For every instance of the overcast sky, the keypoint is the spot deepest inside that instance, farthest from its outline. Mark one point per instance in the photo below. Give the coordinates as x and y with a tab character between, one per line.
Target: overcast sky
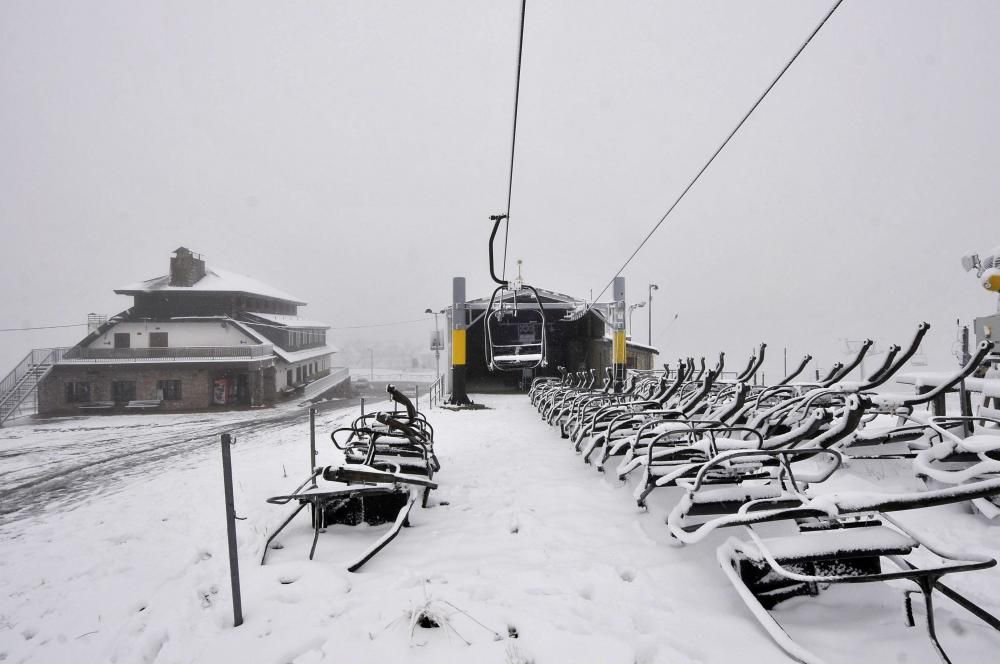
351	153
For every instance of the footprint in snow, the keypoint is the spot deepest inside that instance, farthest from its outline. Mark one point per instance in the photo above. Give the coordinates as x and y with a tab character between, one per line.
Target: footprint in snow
627	575
208	596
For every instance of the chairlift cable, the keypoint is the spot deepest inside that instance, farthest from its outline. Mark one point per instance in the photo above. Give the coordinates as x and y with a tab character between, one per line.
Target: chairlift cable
42	327
721	147
513	138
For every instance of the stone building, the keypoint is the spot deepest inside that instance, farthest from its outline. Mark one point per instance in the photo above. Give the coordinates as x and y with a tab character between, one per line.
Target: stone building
199	337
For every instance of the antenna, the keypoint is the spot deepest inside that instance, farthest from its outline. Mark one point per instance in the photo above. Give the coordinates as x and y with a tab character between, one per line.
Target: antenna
519	281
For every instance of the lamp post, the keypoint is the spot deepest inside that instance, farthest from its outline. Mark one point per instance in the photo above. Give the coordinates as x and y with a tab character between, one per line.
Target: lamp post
631	309
652	287
436	346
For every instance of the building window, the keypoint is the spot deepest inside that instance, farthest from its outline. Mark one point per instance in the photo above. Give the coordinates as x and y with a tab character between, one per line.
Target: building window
288	378
122	390
123	340
170	390
157	339
77	392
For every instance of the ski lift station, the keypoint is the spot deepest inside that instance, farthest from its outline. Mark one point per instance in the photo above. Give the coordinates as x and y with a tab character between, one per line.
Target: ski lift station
577	338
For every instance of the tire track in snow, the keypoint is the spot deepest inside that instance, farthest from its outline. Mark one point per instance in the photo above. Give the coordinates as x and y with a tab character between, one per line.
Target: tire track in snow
85	467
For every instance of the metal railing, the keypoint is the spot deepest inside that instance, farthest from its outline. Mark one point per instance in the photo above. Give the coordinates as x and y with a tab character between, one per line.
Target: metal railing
38	356
435	393
23	381
257	351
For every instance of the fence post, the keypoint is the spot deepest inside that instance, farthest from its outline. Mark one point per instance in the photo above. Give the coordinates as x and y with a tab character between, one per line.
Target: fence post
234	564
362	406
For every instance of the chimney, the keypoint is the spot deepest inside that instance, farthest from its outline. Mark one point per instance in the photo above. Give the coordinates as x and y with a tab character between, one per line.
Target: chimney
186	268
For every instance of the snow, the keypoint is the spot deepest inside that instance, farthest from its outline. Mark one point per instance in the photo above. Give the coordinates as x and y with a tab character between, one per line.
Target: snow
216	280
526	357
827	542
291	357
115	551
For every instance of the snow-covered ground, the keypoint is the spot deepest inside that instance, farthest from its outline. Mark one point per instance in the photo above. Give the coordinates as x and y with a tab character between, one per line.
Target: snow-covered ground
528	555
405	377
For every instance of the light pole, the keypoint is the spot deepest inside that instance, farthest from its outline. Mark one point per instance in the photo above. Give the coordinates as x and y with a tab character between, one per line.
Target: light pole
436	346
652	287
631	309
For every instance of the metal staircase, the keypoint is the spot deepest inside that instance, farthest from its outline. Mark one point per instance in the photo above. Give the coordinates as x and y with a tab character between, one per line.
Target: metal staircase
18	389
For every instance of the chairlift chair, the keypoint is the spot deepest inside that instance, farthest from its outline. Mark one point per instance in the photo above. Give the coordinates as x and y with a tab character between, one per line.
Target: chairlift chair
514	331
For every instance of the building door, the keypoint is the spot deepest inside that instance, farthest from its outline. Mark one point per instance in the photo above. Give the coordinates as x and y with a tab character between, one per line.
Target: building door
243	388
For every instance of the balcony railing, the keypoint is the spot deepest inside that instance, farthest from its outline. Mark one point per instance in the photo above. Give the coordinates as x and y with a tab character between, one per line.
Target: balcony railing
178	353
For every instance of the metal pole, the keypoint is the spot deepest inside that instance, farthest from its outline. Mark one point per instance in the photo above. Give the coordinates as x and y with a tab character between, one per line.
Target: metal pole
618	347
234	564
416	398
312	443
459	397
652	287
965	403
437	348
362	405
786	360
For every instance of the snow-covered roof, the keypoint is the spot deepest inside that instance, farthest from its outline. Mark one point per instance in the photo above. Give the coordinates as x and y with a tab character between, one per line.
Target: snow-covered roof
292	357
633	345
287	321
550	299
216	280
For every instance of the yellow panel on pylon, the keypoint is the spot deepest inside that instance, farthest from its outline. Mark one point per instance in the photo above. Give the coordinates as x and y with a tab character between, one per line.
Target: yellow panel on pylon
458	348
619	346
992	283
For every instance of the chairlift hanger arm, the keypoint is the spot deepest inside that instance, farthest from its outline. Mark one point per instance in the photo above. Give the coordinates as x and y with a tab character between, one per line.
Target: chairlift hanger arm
496	219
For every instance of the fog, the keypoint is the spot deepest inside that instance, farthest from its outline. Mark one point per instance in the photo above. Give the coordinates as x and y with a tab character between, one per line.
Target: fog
350	153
